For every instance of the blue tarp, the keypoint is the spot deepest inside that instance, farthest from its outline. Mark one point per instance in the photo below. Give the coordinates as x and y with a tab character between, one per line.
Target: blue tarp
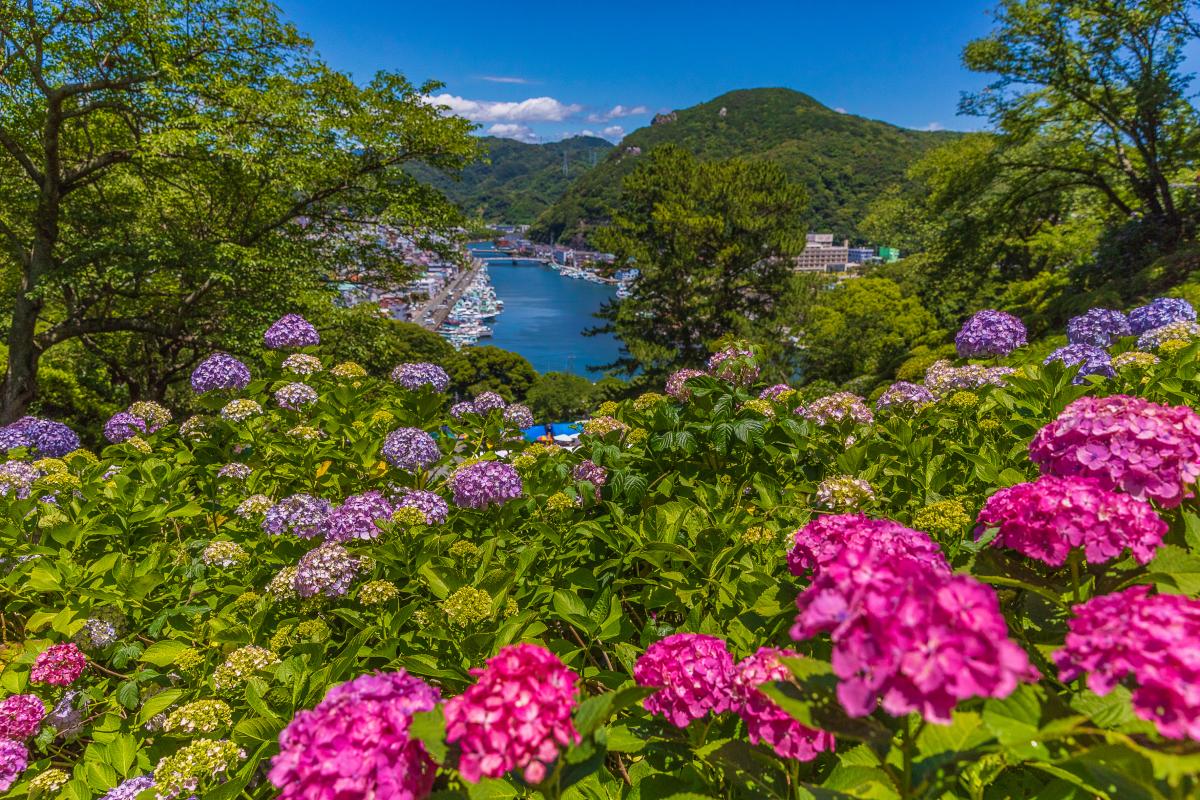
553	429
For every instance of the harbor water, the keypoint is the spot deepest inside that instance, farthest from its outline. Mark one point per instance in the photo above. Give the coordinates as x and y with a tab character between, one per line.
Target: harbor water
545	315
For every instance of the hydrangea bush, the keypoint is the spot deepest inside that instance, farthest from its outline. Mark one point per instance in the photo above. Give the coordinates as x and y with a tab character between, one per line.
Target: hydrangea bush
982	585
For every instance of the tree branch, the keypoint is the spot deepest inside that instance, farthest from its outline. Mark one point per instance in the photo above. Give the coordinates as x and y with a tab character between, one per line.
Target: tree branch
71	329
14	149
79	176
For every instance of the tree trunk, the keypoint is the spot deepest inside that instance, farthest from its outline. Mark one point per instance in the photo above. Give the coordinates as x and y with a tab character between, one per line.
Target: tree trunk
20	384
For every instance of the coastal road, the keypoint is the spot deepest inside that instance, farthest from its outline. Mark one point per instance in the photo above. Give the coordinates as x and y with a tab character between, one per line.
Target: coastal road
434	312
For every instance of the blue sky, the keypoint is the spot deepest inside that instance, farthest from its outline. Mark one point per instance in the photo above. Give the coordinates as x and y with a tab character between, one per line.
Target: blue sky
540	71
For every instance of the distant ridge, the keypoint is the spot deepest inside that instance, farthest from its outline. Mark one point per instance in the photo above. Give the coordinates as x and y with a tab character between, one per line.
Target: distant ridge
521	181
842	159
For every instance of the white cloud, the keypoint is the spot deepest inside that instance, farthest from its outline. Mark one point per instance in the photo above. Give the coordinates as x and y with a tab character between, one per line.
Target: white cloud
509	130
535	109
841	110
613	133
504	79
934	126
617	112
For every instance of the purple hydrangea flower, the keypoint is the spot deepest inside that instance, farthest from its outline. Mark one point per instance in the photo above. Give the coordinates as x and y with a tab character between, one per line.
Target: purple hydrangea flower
774	392
67	716
14	436
122	426
301	515
130	789
461	409
220	371
435	509
414	375
519	416
903	393
1099	327
328	570
990	333
1092	360
291	330
356	517
17	477
488	402
295	396
410	449
485	483
1161	311
941	378
235	470
49	438
588	471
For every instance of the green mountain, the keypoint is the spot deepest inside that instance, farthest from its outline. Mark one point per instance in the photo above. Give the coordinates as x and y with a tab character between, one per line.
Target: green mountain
843	160
517	181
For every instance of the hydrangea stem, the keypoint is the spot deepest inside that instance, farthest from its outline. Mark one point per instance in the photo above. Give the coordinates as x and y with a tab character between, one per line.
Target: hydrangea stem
1074	558
906	744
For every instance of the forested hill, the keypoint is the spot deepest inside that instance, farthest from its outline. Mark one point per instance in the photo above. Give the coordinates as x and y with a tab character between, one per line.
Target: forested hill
843	160
517	181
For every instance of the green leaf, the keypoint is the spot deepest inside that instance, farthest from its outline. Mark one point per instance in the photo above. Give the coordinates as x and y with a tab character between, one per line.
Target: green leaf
430	728
965	731
158	704
490	789
121	753
164	653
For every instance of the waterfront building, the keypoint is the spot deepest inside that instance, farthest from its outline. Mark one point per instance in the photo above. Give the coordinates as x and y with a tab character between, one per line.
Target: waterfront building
820	254
861	255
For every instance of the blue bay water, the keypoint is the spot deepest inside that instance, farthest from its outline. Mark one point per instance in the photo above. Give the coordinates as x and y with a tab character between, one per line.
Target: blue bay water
544	318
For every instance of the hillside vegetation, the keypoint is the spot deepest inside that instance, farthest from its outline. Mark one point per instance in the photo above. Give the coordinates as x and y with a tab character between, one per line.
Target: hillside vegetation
516	181
842	160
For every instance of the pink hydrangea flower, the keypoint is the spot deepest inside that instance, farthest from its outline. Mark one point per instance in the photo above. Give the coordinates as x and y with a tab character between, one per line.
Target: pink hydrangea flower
1150	637
735	365
825	538
355	743
906	633
837	407
677	383
516	716
1148	450
20	716
696	675
765	721
1048	517
14	758
58	665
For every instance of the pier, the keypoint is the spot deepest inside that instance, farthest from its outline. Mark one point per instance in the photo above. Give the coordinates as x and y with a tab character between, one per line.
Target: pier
434	312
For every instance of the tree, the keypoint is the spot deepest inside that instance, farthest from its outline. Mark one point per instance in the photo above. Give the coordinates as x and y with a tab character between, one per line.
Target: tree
559	396
711	241
490	369
970	226
1092	94
173	174
865	326
363	334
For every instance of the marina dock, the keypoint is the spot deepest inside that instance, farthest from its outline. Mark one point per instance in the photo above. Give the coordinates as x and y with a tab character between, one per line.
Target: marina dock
434	313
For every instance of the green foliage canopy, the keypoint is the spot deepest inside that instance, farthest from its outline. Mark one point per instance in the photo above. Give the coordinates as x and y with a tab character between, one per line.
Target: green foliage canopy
711	240
173	175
